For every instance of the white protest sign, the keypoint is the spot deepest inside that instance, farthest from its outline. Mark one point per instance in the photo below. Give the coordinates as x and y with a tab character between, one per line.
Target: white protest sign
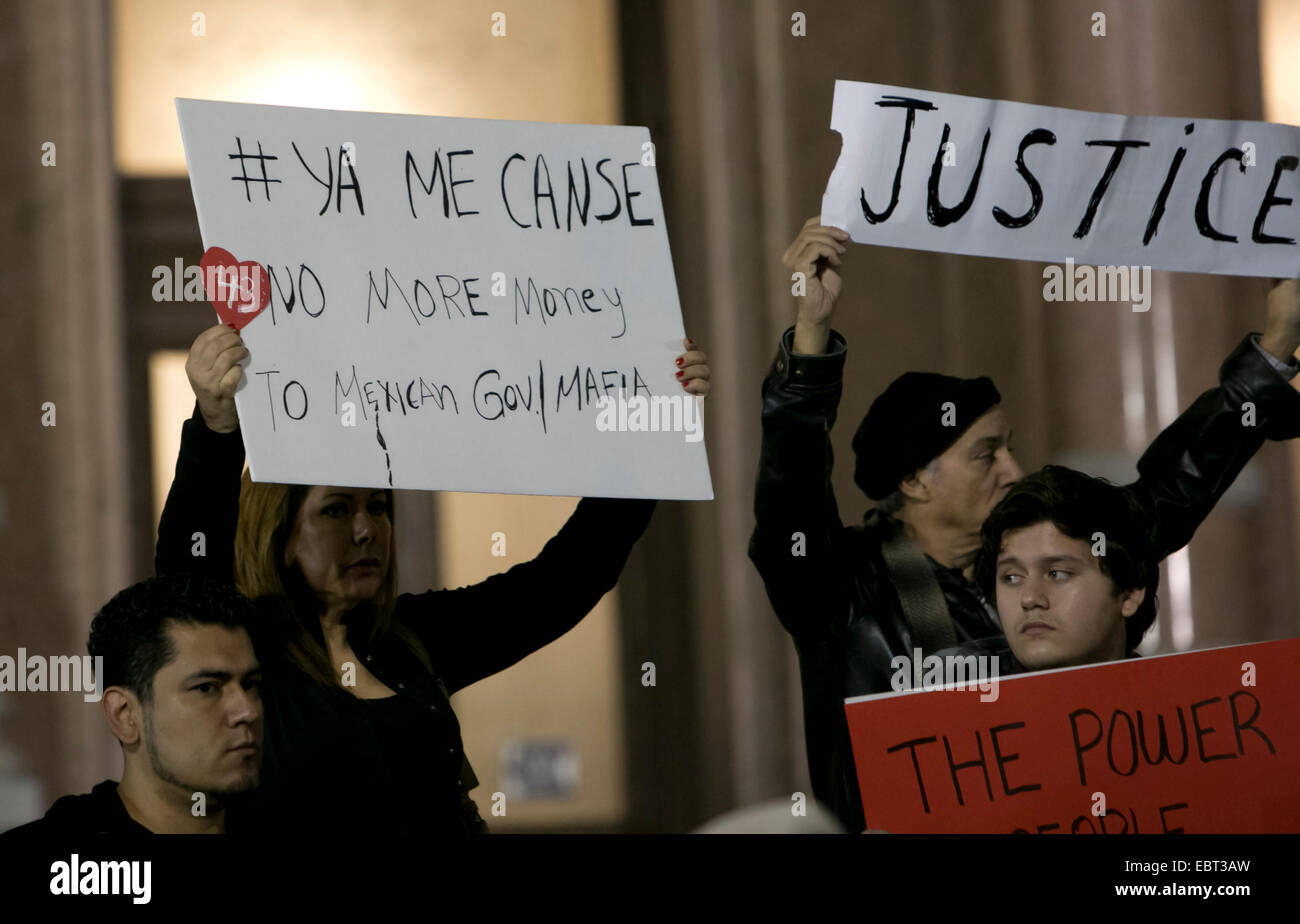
455	304
958	174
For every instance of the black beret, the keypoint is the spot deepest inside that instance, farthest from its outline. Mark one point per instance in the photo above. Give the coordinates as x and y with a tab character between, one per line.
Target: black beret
909	425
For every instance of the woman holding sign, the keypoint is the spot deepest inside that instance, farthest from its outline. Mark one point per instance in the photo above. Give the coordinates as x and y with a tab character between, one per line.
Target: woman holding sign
360	733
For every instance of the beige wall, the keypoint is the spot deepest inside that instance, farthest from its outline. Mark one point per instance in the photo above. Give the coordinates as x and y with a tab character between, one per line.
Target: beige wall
1279	59
567	691
556	63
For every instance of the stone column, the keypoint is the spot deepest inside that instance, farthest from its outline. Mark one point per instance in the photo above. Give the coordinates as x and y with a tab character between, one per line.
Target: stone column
63	488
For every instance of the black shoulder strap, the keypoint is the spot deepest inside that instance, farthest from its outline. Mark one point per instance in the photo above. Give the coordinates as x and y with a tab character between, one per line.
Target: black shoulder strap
924	608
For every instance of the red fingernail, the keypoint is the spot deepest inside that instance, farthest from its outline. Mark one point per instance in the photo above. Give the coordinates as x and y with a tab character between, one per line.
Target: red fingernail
679	360
682	373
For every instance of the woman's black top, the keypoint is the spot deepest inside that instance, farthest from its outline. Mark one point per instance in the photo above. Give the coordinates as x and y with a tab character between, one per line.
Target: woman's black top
333	763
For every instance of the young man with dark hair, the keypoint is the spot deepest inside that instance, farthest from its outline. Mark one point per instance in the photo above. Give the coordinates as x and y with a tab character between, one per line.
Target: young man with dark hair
1069	559
181	694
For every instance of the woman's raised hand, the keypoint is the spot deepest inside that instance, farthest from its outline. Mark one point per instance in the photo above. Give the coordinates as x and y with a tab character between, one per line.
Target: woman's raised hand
692	369
214	372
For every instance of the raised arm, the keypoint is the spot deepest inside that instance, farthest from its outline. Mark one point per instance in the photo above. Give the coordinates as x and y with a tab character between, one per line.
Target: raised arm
795	544
473	632
1195	459
197	530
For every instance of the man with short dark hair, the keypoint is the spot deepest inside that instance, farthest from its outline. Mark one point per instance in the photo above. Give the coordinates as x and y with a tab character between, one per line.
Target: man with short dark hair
181	694
1070	562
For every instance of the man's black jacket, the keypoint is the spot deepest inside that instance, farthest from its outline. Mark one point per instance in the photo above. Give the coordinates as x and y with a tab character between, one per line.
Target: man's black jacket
99	811
836	599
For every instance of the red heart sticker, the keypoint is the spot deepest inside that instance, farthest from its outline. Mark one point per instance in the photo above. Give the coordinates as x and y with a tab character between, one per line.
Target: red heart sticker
238	290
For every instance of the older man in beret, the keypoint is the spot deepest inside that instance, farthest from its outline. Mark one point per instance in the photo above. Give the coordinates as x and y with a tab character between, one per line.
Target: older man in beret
935	453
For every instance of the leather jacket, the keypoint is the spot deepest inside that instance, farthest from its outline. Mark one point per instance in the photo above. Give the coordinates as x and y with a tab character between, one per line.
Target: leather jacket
829	584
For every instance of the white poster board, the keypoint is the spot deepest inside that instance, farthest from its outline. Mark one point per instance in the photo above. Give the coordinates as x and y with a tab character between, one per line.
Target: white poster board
450	301
1048	184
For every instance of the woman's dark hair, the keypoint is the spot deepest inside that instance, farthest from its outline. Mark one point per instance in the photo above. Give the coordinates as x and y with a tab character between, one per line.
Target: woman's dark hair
1080	506
130	631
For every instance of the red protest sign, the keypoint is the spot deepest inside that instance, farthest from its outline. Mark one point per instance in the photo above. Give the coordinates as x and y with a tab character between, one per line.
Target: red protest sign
1205	742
